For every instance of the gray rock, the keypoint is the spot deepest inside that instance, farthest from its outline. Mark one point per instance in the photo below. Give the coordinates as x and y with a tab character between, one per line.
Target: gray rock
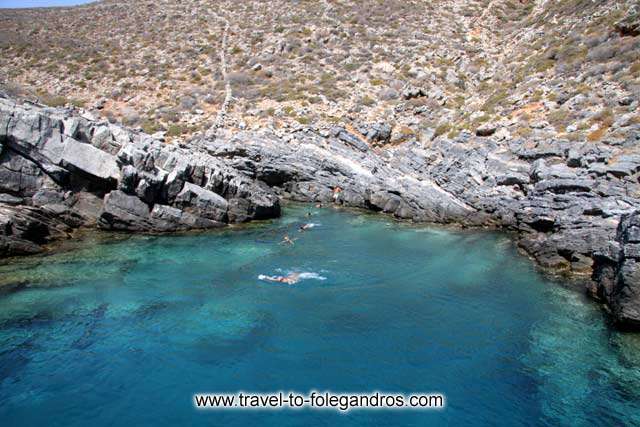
413	92
618	273
167	218
8	199
124	212
562	185
487	129
378	133
129	180
629	26
352	140
512	179
90	160
204	203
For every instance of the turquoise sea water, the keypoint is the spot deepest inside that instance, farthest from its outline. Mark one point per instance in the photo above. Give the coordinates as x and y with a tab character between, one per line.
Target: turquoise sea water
124	331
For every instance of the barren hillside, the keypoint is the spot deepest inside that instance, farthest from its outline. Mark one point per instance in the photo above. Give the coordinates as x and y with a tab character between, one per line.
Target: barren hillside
410	70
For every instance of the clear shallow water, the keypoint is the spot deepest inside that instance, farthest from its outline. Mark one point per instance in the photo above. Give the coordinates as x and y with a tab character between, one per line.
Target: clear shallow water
125	331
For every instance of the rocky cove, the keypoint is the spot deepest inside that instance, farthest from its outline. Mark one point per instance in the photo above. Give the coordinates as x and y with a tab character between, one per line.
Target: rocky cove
571	206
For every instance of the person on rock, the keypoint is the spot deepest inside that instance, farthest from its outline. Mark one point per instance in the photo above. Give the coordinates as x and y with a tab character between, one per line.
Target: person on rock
336	193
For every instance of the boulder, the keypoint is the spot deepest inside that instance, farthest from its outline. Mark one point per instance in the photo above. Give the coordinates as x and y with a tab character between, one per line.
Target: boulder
352	140
124	212
91	161
413	92
625	275
167	218
561	185
379	133
629	26
487	129
512	178
202	202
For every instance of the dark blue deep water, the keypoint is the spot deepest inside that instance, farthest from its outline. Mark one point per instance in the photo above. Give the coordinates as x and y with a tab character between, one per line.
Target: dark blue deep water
123	331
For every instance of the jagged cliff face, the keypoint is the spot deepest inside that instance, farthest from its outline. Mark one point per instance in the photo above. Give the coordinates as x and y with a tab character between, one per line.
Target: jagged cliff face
571	206
534	69
60	171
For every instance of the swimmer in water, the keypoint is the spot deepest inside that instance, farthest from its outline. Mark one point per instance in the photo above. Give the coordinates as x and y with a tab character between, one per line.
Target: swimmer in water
290	279
306	227
287	240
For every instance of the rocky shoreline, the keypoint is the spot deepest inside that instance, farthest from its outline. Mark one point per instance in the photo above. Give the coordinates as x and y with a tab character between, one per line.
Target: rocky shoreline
571	205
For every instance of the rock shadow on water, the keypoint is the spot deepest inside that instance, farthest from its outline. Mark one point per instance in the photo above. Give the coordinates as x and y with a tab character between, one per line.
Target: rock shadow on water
154	309
15	360
214	349
91	323
39	319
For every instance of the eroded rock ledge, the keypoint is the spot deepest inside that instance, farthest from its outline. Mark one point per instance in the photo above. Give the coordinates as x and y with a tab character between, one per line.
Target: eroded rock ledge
571	205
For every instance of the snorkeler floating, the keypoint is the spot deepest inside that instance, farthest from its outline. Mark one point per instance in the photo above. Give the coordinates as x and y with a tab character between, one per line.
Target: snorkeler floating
293	278
290	279
306	227
287	240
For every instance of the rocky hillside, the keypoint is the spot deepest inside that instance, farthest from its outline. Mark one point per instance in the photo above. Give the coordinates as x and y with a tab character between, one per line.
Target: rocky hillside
504	113
424	69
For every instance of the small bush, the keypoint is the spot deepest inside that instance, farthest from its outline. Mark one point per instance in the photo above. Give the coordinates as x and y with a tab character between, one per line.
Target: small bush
130	117
239	78
559	119
78	103
150	126
54	101
494	100
352	66
175	130
602	53
442	129
597	134
368	101
605	118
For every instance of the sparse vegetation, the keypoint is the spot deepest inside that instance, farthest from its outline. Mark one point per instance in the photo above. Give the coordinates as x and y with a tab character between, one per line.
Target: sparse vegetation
164	63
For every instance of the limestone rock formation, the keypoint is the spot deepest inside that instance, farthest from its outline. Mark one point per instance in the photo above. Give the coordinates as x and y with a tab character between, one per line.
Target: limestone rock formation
570	205
60	171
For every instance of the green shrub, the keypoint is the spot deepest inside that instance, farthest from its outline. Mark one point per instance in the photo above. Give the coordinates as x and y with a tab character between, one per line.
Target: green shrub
150	126
368	101
53	101
442	129
175	130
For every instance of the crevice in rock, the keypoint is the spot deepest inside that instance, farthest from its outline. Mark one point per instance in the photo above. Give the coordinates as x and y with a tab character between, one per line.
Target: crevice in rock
10	143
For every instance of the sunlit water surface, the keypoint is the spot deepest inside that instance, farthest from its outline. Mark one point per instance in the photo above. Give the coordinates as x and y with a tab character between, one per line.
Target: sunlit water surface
123	331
